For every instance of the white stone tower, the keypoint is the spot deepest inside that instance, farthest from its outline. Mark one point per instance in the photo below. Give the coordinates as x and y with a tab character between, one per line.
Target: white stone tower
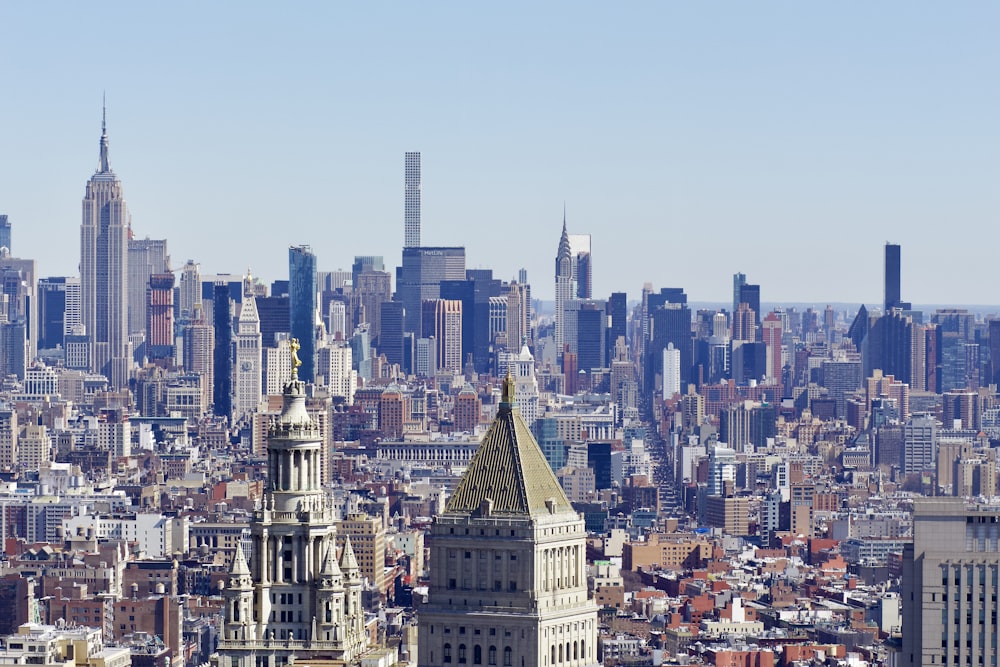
248	370
293	602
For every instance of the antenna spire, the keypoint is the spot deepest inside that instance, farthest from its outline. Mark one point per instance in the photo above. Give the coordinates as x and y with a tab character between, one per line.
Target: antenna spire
104	166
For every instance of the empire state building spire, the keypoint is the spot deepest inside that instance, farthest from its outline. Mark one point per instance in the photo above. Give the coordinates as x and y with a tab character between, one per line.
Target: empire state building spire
104	166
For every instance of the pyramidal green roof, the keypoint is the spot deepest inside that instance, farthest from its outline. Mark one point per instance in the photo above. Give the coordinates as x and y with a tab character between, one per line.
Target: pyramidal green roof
509	471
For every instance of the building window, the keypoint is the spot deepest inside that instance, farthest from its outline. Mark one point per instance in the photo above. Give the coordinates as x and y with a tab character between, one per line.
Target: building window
461	654
492	655
477	655
447	652
508	657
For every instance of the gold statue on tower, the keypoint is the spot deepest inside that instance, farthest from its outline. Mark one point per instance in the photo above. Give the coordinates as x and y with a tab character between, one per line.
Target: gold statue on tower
296	362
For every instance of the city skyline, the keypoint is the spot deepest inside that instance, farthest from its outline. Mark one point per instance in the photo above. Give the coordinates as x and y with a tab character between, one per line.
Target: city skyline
870	133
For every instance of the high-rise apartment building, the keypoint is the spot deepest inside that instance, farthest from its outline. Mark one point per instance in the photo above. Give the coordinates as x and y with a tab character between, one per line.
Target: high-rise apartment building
302	306
411	200
159	313
104	236
335	365
671	371
508	540
950	584
920	437
771	337
443	320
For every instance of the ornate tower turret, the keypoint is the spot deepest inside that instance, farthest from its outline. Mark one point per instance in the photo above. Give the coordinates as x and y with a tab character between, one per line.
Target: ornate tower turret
304	607
239	600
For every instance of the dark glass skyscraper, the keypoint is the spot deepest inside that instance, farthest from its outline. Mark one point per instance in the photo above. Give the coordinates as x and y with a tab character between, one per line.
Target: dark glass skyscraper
4	232
892	289
222	366
302	306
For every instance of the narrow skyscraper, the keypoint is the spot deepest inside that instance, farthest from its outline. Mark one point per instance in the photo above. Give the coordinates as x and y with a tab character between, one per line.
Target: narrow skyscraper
893	295
103	270
4	232
248	369
411	205
302	306
564	285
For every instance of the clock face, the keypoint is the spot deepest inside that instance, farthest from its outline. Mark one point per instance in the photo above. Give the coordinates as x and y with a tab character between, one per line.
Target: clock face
246	366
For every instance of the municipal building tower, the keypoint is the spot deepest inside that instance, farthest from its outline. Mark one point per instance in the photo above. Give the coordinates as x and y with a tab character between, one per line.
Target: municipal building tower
293	599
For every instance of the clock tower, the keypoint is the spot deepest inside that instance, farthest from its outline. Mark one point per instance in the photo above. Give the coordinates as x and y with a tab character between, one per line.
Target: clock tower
247	370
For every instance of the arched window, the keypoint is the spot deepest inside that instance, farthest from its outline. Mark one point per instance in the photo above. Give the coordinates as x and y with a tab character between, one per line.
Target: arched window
567	651
447	652
461	654
575	649
583	651
553	659
508	657
477	655
560	653
492	655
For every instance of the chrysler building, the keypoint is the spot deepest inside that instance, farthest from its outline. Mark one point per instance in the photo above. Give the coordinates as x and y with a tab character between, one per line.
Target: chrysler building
293	599
508	584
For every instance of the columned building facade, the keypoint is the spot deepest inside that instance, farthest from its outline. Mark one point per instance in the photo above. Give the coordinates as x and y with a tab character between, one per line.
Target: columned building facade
293	600
508	562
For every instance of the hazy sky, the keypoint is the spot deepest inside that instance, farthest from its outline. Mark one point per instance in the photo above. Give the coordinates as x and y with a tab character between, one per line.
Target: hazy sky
788	141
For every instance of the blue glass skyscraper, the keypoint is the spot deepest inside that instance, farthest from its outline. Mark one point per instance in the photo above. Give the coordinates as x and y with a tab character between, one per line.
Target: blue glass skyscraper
302	306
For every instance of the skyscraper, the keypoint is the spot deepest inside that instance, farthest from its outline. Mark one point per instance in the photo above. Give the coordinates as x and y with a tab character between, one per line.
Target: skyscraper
411	204
893	296
508	540
302	306
739	280
565	288
190	291
4	232
222	371
146	257
160	316
103	270
249	367
579	245
420	277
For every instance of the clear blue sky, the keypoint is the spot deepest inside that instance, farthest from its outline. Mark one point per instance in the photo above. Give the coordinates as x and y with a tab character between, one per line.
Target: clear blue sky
788	141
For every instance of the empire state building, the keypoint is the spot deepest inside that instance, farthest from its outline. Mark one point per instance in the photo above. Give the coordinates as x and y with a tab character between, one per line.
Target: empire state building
104	270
